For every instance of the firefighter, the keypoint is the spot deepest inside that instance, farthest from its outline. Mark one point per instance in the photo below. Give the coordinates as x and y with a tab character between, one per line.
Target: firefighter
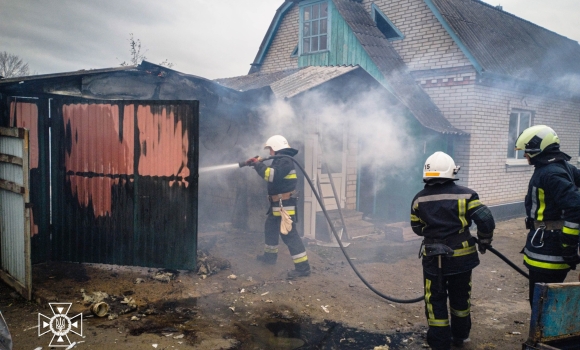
552	208
442	213
282	194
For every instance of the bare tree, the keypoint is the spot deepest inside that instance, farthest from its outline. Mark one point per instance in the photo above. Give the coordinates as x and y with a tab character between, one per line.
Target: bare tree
137	56
12	66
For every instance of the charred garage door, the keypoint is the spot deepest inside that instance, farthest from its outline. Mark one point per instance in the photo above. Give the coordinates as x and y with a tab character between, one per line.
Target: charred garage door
124	182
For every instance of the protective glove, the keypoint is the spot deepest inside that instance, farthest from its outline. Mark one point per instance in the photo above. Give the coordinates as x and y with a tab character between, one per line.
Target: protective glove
253	161
483	243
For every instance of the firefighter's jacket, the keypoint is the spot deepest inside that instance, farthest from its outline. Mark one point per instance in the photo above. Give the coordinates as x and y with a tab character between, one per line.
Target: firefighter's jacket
443	213
552	196
281	177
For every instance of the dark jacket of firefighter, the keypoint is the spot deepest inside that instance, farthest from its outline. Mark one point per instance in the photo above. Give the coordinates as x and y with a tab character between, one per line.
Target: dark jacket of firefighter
552	199
281	177
442	213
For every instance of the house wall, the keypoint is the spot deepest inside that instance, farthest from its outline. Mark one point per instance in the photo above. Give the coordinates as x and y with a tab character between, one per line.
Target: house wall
286	38
489	173
426	44
483	111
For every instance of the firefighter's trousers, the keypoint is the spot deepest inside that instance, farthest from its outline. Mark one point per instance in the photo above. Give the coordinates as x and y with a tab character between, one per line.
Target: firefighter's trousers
458	288
292	240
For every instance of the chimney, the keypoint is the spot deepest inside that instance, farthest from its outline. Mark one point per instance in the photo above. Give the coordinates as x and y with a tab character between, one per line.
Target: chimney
499	7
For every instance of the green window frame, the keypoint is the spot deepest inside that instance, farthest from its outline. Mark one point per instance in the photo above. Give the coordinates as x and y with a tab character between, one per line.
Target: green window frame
314	27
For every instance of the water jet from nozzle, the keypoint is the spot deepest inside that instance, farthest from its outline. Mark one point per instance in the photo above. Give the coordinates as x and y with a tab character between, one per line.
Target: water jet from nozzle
218	167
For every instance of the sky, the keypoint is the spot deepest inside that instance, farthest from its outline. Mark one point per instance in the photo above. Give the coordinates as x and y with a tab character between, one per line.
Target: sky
208	38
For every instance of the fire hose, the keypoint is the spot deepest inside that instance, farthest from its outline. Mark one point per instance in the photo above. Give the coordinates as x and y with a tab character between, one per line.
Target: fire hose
348	259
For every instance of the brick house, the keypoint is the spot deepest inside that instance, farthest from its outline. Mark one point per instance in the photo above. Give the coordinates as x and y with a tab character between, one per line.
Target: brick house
472	75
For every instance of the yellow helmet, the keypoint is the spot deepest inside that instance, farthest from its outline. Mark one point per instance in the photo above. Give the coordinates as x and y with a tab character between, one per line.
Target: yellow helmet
536	139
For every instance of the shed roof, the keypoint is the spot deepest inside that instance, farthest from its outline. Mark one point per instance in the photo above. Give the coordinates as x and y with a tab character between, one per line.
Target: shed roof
288	83
393	68
498	42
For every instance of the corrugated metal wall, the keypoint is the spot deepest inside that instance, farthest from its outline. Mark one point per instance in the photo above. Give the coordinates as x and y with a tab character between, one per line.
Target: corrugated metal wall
125	182
14	214
32	114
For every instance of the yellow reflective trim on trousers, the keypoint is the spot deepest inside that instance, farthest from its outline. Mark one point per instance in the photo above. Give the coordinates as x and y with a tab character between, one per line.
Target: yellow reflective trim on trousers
545	265
271	250
290	212
464	251
427	301
438	323
299	260
570	231
267	174
290	176
461	207
414	218
473	204
541	206
460	313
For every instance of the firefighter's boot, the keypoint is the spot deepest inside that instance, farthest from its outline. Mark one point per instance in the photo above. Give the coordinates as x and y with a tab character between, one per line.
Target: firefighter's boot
301	269
268	258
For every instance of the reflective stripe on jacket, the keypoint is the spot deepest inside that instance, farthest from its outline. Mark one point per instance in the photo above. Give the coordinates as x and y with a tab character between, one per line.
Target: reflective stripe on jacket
552	196
442	211
280	175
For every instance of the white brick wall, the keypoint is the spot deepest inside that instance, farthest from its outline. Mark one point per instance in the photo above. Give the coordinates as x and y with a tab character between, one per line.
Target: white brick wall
484	112
426	45
286	39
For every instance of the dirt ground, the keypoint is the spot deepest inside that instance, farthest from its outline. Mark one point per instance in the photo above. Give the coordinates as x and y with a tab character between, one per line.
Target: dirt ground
241	304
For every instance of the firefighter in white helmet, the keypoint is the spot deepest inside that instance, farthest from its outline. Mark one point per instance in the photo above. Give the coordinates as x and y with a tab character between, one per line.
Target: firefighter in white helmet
442	213
552	207
281	220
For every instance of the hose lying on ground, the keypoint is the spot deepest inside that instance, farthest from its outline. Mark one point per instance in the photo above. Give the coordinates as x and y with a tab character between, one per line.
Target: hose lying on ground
366	283
395	300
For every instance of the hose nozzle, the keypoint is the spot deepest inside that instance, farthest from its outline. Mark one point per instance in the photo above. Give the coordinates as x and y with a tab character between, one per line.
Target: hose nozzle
250	162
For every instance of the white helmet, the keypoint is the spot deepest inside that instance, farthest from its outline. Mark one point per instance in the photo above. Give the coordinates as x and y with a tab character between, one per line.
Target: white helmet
439	166
276	143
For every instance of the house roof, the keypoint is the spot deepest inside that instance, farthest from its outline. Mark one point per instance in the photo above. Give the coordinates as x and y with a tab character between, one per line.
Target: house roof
393	68
497	42
288	83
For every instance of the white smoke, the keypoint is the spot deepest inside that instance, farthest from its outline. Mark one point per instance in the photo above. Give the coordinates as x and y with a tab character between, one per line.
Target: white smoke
374	126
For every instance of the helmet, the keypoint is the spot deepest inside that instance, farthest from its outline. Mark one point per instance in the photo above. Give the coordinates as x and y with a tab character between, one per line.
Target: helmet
536	139
276	143
439	166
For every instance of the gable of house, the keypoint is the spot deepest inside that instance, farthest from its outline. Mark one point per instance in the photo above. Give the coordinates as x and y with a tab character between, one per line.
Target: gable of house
354	39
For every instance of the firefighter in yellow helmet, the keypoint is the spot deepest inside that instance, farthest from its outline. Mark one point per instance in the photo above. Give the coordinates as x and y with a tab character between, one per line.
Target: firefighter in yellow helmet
282	180
442	213
552	208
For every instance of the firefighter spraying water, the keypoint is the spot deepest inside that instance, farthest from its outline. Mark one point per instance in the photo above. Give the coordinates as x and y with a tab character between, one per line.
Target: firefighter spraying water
282	178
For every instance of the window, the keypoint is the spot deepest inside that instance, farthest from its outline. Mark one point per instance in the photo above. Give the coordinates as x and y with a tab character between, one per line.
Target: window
519	121
385	25
314	27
